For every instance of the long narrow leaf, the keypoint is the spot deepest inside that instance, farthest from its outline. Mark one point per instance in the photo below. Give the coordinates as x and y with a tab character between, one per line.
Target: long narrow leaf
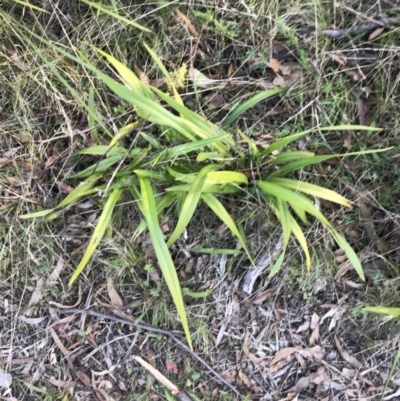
280	143
167	76
298	164
115	15
218	208
311	189
98	233
293	198
301	239
289	156
190	204
128	76
167	267
349	251
99	167
189	147
243	107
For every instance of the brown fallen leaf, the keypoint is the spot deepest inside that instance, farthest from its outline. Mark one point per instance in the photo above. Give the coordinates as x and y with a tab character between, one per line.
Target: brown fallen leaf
274	64
279	81
374	34
284	353
186	21
61	383
64	188
250	384
303	327
369	225
316	352
83	378
339	58
59	343
151	357
216	100
55	274
346	356
115	299
246	351
233	311
142	75
313	378
202	81
350	373
262	296
35	297
4	161
62	306
315	329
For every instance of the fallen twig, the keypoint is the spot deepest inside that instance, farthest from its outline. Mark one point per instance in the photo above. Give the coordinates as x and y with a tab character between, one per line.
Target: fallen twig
337	33
180	395
159	331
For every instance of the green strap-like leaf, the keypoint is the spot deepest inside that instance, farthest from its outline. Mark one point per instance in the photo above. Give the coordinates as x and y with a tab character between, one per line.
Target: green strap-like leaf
149	209
349	251
128	76
311	189
243	107
298	164
99	167
280	143
115	15
301	239
289	156
98	233
293	198
190	204
218	208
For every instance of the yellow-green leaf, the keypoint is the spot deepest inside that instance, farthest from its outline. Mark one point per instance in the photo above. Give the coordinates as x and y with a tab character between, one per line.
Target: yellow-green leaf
392	312
149	210
190	204
115	15
98	233
217	207
301	239
311	189
243	107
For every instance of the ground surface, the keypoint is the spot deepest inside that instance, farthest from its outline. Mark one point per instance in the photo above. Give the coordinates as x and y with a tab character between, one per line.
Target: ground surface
298	336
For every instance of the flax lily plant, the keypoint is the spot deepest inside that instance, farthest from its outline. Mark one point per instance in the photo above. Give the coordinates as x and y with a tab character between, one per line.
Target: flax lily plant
197	167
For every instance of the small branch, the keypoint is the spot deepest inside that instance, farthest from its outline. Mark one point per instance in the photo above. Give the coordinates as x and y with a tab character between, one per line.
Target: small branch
180	395
338	33
158	331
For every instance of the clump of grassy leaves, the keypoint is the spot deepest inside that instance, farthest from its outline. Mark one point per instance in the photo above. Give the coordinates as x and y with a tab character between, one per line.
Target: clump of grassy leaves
207	163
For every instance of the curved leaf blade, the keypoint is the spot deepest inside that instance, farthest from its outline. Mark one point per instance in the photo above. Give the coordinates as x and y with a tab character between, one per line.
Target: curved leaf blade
149	210
243	107
98	233
311	189
190	203
218	208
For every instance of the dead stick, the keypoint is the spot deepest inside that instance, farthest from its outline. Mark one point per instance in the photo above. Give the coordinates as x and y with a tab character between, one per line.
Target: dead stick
337	33
180	395
159	331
